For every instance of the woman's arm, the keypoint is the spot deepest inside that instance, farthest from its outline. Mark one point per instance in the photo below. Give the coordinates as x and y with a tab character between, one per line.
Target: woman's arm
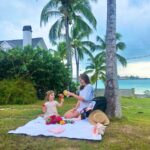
86	94
80	98
77	105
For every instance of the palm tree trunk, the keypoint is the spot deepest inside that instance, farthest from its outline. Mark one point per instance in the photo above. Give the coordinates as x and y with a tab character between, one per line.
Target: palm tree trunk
68	47
111	89
96	85
77	65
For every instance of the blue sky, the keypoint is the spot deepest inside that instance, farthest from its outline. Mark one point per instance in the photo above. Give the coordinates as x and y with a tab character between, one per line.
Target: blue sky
133	22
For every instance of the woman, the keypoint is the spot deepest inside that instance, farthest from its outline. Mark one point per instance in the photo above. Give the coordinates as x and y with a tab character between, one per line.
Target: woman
86	94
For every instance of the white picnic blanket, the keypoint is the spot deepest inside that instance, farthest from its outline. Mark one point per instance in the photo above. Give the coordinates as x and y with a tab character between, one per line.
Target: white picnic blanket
81	129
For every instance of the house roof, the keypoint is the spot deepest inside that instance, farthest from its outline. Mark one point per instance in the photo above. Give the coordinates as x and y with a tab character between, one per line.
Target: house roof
19	42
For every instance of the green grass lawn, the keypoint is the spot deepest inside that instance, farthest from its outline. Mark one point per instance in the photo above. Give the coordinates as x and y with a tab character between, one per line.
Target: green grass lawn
132	132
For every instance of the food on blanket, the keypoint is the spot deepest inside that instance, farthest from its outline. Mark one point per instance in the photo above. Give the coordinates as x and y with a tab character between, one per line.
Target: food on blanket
57	120
57	130
53	119
65	92
69	121
62	122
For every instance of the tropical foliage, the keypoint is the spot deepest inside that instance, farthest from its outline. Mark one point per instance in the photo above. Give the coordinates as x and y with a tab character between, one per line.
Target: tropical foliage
71	10
96	68
37	65
17	91
79	47
119	46
68	12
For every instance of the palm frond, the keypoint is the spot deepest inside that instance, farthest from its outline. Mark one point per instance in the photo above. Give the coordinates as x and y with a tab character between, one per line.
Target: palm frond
45	16
120	45
122	60
52	4
94	78
90	67
118	36
82	25
88	71
80	53
91	45
53	33
61	27
99	39
86	12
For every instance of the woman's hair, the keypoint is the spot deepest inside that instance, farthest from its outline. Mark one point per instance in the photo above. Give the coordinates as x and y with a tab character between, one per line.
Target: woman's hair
47	94
86	79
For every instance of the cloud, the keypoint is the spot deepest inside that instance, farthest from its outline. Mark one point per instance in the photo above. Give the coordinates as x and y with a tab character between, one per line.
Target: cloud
11	31
133	22
24	12
141	69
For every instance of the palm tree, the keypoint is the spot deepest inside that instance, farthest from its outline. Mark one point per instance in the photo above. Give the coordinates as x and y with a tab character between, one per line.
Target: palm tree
60	51
119	46
68	12
111	89
96	68
80	46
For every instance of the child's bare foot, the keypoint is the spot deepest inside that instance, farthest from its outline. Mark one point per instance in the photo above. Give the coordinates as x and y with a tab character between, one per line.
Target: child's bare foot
41	115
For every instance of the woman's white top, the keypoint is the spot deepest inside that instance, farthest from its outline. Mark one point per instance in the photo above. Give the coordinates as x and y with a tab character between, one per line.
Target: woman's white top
88	94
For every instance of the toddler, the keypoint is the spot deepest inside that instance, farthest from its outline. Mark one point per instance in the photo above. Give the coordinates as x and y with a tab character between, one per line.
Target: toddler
49	108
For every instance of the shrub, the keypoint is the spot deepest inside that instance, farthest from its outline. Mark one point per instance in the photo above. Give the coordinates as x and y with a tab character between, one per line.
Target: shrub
47	72
17	91
74	87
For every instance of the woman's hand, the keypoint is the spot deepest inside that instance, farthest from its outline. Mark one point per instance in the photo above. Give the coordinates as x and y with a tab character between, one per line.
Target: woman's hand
70	93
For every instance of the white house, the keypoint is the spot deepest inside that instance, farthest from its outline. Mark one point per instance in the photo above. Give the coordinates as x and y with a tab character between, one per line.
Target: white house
27	40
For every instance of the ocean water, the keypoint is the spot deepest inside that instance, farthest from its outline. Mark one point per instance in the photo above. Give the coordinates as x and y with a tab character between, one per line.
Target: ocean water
139	85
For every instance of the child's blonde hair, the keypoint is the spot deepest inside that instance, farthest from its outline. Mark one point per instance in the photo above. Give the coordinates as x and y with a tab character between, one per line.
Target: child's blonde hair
48	93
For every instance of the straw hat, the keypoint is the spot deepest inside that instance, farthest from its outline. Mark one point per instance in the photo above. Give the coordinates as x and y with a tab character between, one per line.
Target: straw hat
98	116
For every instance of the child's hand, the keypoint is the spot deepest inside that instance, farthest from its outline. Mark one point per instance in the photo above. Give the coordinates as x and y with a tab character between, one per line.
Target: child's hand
43	108
61	97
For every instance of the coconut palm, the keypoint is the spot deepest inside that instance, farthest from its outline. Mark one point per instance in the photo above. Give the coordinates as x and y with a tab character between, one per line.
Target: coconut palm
80	46
96	68
111	88
60	51
67	12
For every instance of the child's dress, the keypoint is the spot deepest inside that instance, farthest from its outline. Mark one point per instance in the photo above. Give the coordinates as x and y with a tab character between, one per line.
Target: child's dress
51	109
